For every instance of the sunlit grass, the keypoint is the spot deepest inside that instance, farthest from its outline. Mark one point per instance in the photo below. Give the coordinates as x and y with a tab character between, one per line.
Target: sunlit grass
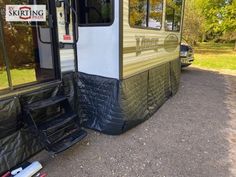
215	56
213	46
19	76
3	80
223	61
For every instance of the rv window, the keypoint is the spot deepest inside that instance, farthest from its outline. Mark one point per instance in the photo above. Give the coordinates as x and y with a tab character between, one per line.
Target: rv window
26	54
138	13
95	12
173	15
146	13
155	14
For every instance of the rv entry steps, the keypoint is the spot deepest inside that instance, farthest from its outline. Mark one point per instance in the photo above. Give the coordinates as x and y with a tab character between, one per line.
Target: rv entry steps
55	123
67	142
45	103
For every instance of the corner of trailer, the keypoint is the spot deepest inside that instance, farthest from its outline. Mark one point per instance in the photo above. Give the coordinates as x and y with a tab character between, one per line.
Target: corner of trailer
129	66
103	65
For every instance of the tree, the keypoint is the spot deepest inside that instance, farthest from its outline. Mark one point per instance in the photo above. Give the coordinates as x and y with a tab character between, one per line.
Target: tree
229	22
207	20
194	22
220	19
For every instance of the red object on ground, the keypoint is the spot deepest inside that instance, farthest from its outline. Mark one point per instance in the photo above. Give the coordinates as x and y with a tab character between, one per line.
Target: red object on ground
43	175
7	174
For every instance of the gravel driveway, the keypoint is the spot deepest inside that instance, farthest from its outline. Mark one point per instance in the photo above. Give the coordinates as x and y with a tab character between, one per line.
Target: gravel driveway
192	135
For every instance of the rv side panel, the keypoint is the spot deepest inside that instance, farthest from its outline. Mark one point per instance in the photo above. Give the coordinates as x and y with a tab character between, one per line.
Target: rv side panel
145	48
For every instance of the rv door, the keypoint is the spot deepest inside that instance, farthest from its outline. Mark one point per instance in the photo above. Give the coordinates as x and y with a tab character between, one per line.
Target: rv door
68	33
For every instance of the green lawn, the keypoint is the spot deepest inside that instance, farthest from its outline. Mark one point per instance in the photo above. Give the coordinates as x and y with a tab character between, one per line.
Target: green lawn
19	76
215	56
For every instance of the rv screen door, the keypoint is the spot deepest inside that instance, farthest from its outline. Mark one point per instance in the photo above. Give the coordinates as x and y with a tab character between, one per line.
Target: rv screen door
27	48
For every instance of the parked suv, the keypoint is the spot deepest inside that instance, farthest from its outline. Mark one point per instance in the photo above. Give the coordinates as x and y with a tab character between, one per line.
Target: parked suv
186	55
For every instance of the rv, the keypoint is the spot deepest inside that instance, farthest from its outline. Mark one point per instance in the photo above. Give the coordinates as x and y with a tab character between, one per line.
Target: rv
106	65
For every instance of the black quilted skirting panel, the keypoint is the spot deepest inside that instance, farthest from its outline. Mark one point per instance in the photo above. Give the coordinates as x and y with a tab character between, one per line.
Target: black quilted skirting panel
175	75
16	148
107	105
17	143
113	107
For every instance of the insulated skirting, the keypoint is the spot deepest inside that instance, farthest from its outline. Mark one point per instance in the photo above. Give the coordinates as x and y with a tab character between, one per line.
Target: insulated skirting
113	107
175	75
159	89
17	143
16	148
10	114
97	103
107	105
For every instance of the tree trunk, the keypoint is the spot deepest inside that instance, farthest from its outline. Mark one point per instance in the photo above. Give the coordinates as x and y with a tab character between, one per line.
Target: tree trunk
203	37
235	45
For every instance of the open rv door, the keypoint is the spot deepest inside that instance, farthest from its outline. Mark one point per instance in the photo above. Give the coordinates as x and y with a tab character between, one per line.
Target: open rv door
67	29
67	22
59	128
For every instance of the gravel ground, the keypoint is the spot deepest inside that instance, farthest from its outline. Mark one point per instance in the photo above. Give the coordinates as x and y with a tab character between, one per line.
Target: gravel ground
192	135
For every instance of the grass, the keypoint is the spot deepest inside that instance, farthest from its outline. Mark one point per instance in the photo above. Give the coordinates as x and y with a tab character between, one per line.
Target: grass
223	61
19	76
215	56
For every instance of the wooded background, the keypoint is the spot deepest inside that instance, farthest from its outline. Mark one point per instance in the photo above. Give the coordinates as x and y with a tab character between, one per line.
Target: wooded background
210	20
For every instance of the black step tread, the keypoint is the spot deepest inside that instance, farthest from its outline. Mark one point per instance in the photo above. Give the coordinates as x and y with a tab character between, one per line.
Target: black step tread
67	142
45	103
58	135
57	121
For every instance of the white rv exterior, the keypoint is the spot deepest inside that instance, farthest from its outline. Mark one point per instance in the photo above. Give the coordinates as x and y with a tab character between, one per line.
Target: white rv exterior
98	48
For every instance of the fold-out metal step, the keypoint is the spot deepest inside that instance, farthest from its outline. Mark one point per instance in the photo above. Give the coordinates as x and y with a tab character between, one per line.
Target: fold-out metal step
45	103
57	130
67	142
58	122
59	134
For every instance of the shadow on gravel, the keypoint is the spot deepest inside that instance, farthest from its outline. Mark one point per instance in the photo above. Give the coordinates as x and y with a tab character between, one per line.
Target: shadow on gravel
190	136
